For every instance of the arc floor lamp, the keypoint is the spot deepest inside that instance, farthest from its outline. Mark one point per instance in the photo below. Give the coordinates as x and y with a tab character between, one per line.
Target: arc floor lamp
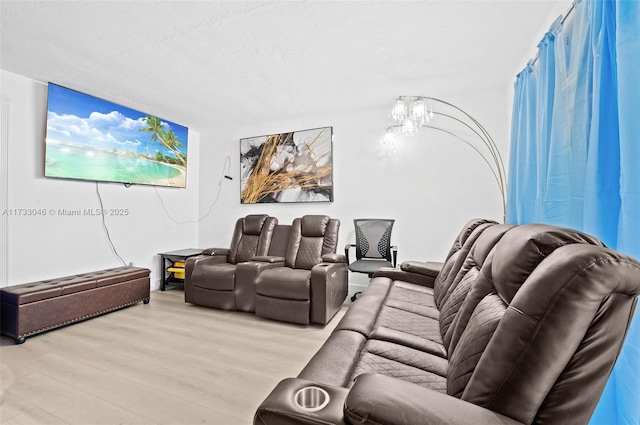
411	113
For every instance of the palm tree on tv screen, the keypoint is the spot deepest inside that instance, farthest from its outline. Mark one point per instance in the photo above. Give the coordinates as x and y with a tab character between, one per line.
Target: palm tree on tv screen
167	138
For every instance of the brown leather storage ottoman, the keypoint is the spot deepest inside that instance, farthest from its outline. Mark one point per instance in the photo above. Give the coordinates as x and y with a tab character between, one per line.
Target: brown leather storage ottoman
36	307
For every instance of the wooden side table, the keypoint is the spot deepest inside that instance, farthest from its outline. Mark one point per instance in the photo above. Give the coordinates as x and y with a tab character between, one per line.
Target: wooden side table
168	260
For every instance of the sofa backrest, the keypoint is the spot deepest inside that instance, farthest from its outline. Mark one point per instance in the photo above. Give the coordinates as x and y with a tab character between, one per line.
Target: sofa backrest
311	237
539	331
251	236
469	228
471	259
280	240
456	256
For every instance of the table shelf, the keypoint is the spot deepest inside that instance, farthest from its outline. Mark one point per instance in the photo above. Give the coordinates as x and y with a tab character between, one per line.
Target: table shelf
172	265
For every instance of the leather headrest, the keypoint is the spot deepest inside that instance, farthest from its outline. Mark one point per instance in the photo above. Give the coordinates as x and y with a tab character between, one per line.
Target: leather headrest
486	241
314	225
252	224
469	228
522	248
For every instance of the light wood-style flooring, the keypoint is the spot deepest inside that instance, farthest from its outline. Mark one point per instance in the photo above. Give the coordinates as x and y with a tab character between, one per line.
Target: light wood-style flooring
166	362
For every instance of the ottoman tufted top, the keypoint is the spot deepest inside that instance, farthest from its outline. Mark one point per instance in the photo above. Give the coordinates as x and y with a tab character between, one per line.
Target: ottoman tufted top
41	290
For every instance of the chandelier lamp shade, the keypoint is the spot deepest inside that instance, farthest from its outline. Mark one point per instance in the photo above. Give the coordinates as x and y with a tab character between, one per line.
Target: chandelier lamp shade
412	113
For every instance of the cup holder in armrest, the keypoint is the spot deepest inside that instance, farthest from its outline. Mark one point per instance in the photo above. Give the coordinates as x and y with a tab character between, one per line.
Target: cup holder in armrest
311	399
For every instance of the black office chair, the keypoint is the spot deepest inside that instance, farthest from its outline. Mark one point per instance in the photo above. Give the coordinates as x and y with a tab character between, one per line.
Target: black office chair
373	247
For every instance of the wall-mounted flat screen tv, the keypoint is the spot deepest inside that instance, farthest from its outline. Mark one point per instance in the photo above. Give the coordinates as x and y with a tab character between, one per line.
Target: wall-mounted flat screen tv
88	138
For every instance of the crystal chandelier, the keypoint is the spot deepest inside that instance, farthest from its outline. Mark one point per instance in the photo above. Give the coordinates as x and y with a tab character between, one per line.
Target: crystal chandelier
411	113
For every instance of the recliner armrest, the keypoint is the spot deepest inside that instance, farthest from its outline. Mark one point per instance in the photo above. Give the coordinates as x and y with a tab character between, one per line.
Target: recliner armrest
429	268
329	288
280	407
216	251
380	399
268	259
333	258
417	272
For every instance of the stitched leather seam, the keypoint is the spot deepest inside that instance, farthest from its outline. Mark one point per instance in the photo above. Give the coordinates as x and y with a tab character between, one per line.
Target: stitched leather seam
522	313
406	311
407	365
407	331
357	418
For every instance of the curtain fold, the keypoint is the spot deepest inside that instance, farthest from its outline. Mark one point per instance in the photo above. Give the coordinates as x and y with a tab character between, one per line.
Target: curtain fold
575	152
545	95
627	47
524	154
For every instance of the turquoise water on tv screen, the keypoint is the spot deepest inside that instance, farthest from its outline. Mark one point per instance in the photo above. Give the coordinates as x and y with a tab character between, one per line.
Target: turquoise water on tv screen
74	162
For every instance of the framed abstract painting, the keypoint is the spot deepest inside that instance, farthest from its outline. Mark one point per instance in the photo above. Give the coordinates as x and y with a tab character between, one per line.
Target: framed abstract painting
287	167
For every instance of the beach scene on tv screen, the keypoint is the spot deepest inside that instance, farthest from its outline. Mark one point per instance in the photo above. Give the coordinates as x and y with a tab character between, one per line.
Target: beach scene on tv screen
89	138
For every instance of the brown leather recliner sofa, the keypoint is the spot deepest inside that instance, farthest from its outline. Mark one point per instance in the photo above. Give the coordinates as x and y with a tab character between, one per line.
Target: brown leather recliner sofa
520	324
289	273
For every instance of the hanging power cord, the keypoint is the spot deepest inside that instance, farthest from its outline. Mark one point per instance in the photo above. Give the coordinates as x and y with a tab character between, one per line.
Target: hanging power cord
225	170
106	230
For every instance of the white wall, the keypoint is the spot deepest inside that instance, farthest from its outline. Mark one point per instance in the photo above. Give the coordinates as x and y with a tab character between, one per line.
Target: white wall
432	186
50	246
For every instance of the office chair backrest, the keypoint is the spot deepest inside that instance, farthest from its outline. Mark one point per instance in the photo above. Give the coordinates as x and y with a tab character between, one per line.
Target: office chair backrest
373	238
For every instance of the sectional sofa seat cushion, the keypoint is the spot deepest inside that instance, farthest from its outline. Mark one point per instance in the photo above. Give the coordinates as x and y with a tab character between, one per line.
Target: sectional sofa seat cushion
411	302
286	283
225	274
401	323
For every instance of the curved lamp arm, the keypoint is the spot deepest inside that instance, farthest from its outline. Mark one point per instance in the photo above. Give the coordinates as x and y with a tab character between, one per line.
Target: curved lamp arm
491	157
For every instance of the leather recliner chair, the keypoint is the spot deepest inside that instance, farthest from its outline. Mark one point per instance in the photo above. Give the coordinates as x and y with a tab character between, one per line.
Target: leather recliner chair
210	278
311	284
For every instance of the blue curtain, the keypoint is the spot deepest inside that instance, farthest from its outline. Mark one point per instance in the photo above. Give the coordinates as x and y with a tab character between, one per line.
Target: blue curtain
575	152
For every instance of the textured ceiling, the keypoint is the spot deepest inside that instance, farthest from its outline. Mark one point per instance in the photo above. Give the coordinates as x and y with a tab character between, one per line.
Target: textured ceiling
202	63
